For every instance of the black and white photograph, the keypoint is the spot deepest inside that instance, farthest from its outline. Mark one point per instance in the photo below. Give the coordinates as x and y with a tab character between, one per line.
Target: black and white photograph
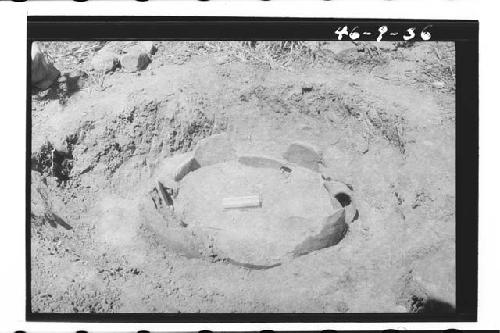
242	177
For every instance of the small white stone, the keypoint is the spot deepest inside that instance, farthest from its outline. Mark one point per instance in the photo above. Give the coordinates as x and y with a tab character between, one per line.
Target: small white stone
438	84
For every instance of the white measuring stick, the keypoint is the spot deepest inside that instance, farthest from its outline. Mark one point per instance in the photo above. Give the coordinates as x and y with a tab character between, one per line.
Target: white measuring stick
242	202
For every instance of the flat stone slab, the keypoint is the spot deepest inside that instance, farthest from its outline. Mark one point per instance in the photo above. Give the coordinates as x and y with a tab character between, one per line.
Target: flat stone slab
304	155
295	217
214	149
261	162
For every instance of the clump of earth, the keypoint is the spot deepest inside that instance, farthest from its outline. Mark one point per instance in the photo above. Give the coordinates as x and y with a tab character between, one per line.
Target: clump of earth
236	177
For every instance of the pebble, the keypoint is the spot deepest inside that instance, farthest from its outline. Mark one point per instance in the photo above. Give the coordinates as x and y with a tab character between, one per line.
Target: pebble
438	84
134	60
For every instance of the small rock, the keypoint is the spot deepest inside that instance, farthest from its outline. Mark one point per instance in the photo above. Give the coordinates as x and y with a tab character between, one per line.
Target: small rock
306	89
438	84
214	149
123	140
104	61
303	155
135	60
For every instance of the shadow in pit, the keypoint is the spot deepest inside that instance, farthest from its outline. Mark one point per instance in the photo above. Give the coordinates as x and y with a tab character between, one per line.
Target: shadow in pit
62	88
433	305
51	93
251	266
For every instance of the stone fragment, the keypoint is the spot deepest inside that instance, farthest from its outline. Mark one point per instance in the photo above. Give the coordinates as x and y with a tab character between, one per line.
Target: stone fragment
307	88
39	206
185	167
214	149
135	59
173	169
334	229
166	194
303	155
38	64
43	73
341	196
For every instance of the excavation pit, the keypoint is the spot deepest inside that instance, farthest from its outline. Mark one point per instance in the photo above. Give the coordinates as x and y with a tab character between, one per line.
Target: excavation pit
255	211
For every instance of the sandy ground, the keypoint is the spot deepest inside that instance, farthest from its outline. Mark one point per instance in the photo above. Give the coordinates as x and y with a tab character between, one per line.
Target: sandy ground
383	118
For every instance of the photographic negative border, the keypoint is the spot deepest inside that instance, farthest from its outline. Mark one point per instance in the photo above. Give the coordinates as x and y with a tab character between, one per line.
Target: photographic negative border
463	33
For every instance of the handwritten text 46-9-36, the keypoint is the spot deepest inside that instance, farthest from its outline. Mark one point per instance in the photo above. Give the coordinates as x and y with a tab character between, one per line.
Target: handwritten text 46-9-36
408	34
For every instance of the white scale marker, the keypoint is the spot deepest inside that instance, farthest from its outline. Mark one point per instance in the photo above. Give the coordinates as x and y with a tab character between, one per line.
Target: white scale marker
242	202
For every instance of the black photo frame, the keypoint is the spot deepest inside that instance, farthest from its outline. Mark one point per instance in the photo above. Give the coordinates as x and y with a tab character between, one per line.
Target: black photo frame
463	33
